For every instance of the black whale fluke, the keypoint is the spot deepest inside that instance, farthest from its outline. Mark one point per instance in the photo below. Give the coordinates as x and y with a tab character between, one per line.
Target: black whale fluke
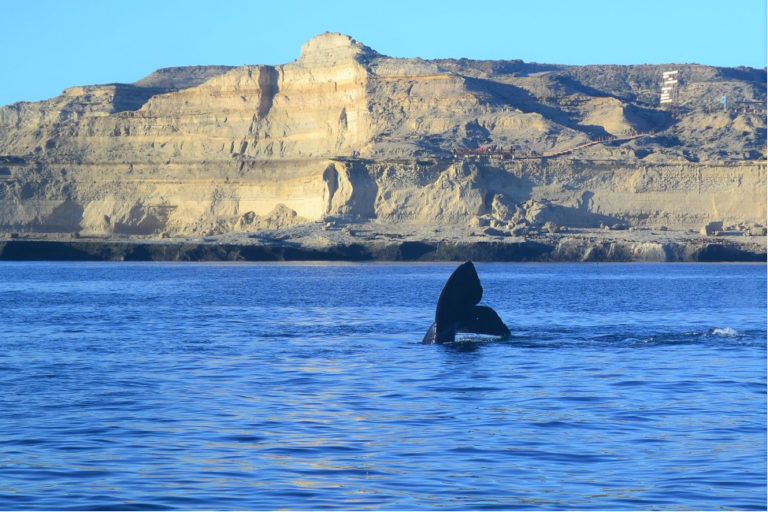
457	310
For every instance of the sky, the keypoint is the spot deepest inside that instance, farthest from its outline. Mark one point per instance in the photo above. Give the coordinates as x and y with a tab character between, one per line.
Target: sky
49	45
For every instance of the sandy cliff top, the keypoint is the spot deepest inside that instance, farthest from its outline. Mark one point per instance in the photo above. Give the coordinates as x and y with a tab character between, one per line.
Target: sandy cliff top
358	100
330	49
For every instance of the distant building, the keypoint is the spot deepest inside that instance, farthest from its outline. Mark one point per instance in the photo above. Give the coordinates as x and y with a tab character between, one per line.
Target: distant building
669	89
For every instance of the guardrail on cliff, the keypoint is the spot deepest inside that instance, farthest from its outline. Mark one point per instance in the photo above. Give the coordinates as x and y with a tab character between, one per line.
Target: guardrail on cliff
495	151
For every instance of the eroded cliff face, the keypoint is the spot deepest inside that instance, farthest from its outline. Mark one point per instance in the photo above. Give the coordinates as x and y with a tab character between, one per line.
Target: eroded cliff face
568	193
348	133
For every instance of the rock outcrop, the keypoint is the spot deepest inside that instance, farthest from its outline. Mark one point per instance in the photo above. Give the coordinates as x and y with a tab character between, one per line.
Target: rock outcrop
344	132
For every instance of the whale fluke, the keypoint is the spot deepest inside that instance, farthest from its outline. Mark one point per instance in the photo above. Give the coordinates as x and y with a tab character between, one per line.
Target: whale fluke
457	310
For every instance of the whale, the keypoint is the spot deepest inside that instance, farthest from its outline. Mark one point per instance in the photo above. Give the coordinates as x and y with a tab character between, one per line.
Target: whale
458	311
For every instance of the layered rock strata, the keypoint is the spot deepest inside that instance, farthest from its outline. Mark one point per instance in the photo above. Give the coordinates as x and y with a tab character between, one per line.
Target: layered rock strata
505	148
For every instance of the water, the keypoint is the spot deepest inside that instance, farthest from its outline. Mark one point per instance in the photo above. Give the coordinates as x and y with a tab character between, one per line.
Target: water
197	386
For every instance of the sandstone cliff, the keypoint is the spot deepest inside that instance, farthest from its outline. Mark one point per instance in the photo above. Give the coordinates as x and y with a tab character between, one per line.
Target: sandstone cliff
504	148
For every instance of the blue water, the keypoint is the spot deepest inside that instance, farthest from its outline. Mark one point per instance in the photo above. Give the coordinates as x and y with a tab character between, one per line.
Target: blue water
216	386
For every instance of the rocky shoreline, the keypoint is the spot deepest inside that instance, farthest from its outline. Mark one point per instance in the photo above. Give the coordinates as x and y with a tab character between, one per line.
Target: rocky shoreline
319	243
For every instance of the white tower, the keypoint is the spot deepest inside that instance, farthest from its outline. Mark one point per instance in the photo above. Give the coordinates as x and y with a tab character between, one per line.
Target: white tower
669	89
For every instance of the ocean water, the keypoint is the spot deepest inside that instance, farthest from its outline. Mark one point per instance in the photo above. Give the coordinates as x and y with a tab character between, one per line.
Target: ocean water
305	386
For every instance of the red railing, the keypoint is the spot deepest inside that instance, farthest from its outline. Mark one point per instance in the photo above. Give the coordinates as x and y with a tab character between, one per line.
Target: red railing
495	151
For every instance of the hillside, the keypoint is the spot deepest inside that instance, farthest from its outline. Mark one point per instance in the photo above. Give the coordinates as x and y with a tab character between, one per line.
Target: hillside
344	134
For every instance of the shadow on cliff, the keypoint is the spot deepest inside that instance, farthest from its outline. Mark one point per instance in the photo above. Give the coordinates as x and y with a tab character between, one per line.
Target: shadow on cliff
268	83
492	68
129	97
65	218
645	119
508	94
570	217
510	198
515	188
351	191
521	99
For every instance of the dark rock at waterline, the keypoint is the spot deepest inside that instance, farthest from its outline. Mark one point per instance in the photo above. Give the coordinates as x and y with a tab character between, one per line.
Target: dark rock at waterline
523	251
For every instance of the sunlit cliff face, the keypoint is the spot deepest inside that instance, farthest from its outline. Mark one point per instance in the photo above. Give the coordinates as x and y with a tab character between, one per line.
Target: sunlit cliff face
345	131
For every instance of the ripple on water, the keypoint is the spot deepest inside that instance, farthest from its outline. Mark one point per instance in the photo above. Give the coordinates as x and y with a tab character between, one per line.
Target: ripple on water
220	387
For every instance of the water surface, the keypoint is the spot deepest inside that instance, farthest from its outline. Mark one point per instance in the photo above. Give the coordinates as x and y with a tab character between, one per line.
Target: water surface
263	386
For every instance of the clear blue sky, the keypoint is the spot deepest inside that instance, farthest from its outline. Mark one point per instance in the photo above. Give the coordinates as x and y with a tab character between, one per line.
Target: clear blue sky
48	45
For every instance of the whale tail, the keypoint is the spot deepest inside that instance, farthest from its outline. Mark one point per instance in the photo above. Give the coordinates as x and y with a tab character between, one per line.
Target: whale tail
457	309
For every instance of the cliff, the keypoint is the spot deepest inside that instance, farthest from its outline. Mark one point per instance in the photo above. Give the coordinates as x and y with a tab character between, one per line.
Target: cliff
499	149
